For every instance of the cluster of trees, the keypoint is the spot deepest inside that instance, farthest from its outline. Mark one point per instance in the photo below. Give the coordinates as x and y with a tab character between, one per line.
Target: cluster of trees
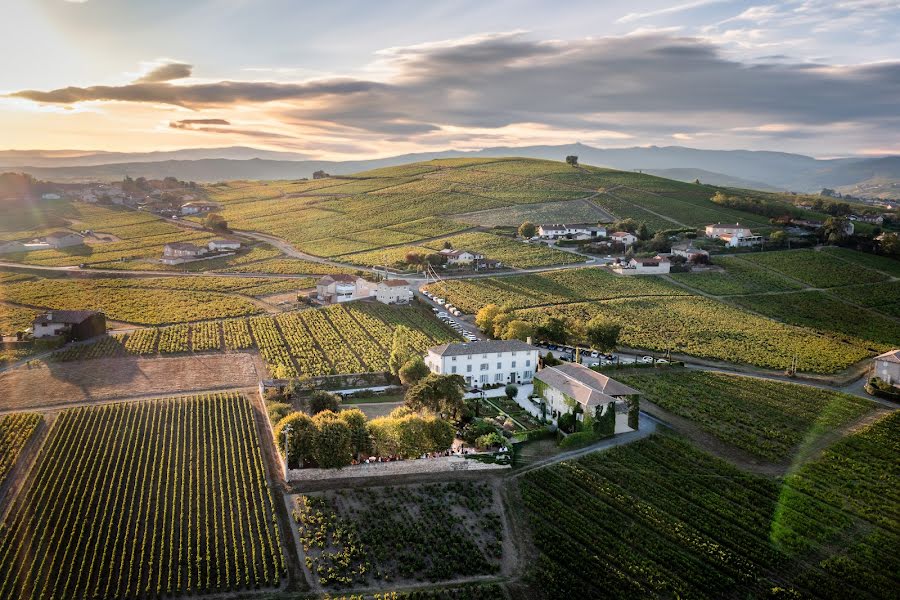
405	360
327	439
418	259
408	434
502	323
216	222
756	205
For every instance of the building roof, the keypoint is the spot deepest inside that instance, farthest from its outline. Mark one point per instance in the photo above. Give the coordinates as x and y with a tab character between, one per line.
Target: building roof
71	317
57	235
728	226
395	282
224	241
687	246
892	356
183	246
329	279
620	234
452	252
481	347
587	387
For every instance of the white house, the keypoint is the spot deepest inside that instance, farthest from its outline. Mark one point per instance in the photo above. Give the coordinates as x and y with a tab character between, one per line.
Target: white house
688	251
460	257
63	239
485	362
568	385
74	324
658	265
193	208
178	252
223	244
578	231
393	291
343	288
887	367
734	236
623	237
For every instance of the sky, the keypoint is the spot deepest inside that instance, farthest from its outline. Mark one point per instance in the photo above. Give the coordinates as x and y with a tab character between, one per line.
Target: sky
361	79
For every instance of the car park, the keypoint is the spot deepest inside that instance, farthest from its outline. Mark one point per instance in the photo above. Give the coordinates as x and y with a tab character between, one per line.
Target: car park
595	354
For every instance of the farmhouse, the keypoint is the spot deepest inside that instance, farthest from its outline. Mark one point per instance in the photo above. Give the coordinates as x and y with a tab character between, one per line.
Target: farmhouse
223	244
734	236
887	367
623	237
485	362
343	288
576	231
193	208
13	246
658	265
460	257
73	324
689	252
63	239
572	387
178	252
393	291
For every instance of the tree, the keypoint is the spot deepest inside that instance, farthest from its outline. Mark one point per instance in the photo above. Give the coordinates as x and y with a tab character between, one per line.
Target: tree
511	391
485	317
778	238
333	447
527	230
414	258
605	421
490	440
320	401
216	222
517	329
302	438
659	243
413	371
401	349
629	225
572	160
448	245
602	334
442	394
320	175
357	423
552	329
642	232
697	181
890	244
501	321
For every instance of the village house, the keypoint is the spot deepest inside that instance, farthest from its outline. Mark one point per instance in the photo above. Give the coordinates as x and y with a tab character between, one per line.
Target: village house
194	208
332	289
873	219
14	246
658	265
485	362
73	324
689	252
63	239
734	236
220	245
178	252
623	237
574	388
393	291
575	231
460	257
887	367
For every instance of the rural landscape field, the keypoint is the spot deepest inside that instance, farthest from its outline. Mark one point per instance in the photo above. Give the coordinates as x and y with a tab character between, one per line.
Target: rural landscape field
465	301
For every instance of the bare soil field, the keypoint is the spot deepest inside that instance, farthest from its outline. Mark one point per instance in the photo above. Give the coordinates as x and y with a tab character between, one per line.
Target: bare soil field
39	384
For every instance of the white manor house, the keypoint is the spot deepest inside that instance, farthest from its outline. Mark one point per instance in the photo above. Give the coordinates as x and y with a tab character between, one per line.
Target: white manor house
485	362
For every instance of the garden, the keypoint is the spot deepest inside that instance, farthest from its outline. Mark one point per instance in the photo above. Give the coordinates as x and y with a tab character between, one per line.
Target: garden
401	534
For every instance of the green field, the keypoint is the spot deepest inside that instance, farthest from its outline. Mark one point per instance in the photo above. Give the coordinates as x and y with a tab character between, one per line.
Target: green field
768	419
740	277
147	499
818	269
658	518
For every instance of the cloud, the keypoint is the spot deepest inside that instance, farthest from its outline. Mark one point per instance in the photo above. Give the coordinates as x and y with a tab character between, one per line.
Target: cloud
630	17
167	71
224	126
649	86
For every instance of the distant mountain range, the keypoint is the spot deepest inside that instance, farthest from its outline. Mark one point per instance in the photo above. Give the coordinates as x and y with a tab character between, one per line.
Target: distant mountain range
734	168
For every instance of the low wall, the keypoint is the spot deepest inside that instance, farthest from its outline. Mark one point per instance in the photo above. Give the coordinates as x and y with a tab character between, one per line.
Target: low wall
331	382
443	464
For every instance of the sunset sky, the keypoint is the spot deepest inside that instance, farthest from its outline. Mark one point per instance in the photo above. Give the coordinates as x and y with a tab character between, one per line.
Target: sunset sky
352	79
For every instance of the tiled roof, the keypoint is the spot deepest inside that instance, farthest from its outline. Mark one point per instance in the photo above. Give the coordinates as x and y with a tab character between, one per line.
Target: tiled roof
890	356
395	282
72	317
481	347
584	384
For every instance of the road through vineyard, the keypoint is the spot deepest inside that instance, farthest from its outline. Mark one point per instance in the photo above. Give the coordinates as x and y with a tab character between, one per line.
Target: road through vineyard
144	500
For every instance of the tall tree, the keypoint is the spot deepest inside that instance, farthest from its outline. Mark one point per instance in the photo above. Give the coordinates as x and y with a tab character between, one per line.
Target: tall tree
485	317
602	333
527	229
442	394
333	441
402	348
413	371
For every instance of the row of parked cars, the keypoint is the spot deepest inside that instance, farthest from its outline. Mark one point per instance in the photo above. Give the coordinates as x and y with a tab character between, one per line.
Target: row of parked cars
453	323
568	353
442	302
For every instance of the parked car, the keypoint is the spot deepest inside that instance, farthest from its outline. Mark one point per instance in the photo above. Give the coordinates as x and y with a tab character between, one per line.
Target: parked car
661	361
440	301
595	354
647	359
